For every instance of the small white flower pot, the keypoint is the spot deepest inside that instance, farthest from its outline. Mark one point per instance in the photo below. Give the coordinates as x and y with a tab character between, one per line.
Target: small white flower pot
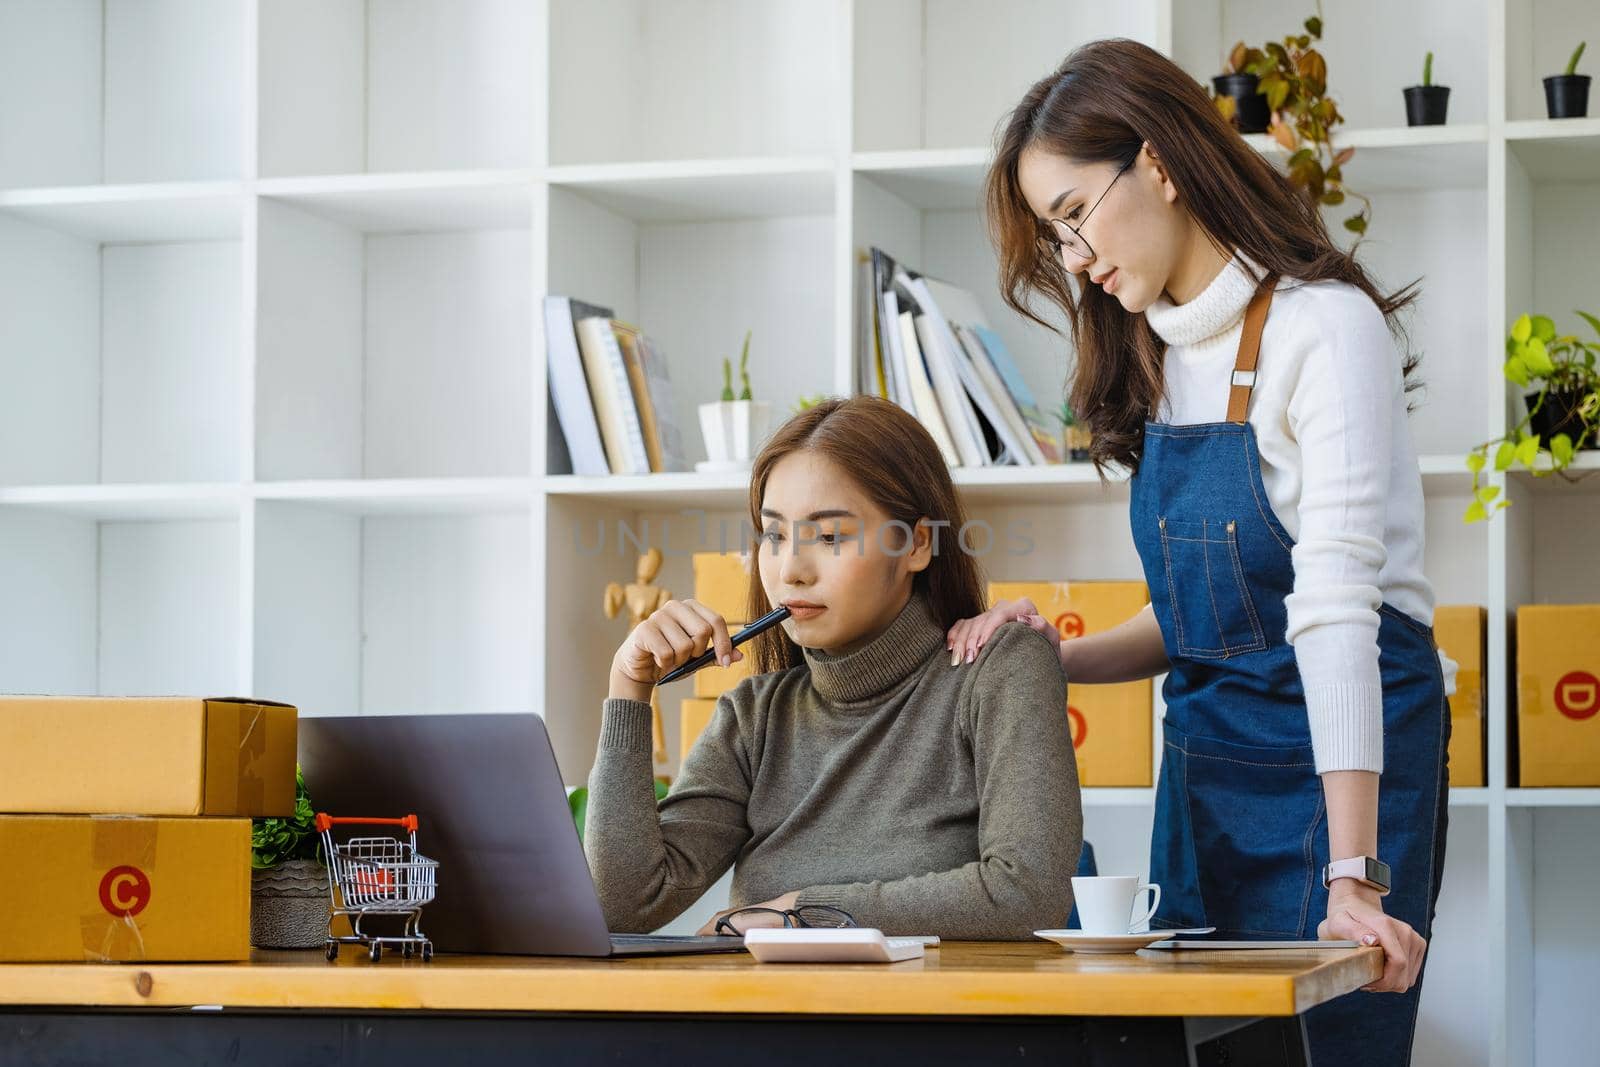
734	431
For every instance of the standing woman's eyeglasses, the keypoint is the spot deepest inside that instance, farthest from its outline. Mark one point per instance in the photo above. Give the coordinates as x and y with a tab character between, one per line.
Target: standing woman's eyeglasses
1059	234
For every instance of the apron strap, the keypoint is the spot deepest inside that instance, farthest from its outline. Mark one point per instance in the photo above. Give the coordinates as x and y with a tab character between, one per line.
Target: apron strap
1244	368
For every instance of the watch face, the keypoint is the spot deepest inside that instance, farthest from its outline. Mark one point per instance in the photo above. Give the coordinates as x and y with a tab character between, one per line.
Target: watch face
1377	872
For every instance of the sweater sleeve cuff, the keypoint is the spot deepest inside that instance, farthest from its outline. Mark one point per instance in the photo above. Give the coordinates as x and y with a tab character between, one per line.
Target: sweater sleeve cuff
830	896
1346	726
627	725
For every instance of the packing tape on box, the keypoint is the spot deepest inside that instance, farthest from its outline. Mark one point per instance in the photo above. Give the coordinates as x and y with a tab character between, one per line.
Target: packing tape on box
123	853
252	746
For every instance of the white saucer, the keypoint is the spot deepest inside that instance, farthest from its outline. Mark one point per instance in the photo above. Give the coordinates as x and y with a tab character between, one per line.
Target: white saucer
1102	944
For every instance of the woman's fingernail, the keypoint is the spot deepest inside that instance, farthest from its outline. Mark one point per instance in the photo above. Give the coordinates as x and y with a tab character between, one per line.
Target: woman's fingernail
955	656
972	654
1370	940
724	660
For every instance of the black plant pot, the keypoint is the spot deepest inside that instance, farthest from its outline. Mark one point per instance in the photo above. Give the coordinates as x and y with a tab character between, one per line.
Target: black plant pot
1558	415
1566	96
1251	113
1426	104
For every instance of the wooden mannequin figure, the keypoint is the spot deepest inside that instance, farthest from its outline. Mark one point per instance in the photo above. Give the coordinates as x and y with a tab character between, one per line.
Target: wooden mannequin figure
642	597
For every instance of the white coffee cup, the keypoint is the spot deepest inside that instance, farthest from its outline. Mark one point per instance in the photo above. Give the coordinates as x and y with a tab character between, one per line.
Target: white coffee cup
1105	903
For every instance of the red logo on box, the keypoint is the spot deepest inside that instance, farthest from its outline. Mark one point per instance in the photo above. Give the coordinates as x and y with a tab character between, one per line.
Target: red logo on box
1070	624
1080	726
1578	695
125	891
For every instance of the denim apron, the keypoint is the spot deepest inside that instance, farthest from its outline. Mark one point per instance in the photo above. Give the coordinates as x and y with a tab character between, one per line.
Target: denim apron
1240	836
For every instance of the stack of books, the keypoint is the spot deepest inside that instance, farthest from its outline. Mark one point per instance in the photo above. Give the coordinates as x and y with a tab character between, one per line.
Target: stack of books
611	394
925	345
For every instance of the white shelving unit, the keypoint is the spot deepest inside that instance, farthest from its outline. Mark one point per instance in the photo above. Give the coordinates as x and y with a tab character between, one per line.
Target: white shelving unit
276	418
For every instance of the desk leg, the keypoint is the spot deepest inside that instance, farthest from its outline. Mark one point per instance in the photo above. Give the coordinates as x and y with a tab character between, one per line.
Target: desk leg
1273	1042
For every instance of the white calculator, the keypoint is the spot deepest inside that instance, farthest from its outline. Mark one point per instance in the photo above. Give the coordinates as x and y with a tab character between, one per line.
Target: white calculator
810	944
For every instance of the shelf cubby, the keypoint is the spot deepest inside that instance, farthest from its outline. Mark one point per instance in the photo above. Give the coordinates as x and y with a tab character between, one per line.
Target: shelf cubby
388	347
369	86
126	323
711	79
119	606
108	92
372	611
697	283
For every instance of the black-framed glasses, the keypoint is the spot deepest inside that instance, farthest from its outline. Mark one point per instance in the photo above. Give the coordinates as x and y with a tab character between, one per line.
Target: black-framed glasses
1059	234
737	922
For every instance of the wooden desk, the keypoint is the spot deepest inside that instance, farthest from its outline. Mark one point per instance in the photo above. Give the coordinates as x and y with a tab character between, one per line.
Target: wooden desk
964	1002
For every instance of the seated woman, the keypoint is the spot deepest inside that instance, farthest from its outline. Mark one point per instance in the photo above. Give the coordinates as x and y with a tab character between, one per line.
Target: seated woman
861	768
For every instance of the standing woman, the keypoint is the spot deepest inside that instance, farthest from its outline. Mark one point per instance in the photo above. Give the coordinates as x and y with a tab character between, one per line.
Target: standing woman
1277	509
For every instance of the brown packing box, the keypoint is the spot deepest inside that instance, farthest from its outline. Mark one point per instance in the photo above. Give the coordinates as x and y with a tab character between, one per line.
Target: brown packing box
1558	694
722	584
1460	631
712	681
146	755
1111	724
695	717
110	889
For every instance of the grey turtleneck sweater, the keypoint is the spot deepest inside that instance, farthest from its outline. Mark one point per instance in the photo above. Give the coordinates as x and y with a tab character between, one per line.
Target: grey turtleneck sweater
921	798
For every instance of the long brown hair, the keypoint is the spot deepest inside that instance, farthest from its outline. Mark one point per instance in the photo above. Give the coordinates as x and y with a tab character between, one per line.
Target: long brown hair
895	462
1101	105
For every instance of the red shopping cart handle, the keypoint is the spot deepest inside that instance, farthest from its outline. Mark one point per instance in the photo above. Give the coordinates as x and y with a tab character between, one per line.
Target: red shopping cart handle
324	820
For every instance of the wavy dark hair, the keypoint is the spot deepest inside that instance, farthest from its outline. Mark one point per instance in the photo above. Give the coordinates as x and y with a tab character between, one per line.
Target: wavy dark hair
1101	105
897	464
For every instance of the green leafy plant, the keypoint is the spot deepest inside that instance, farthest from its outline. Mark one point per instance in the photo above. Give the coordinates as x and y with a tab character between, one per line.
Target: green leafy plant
1427	71
278	840
578	802
1556	366
1572	64
744	374
1293	76
809	402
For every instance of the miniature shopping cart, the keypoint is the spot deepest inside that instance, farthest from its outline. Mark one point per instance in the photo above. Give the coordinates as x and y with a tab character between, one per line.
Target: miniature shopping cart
378	876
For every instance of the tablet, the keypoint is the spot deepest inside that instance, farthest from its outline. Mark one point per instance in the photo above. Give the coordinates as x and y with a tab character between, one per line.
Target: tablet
1186	945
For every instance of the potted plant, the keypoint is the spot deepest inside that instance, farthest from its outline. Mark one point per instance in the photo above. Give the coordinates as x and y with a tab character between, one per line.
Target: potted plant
1075	437
1566	95
1238	93
733	428
1426	103
288	883
1563	412
1293	80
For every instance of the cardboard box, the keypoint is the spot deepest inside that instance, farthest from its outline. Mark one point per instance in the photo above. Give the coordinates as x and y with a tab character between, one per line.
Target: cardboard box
146	756
1111	724
105	889
1558	694
712	681
694	718
722	584
1460	631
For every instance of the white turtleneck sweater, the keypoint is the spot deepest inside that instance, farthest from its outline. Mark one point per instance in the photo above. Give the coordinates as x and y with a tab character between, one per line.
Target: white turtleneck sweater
1340	470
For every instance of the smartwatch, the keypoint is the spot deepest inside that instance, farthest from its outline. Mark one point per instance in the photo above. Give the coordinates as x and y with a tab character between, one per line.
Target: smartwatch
1364	869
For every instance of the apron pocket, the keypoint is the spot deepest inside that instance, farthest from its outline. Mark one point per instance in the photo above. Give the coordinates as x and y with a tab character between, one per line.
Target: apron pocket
1211	606
1256	814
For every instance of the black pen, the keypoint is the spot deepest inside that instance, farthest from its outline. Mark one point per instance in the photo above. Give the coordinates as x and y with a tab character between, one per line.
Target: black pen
709	656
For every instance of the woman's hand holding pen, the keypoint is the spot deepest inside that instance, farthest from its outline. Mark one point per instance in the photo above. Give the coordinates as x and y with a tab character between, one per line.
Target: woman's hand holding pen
675	633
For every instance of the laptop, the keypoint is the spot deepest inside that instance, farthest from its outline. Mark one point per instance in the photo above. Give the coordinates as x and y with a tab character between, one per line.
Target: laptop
492	809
